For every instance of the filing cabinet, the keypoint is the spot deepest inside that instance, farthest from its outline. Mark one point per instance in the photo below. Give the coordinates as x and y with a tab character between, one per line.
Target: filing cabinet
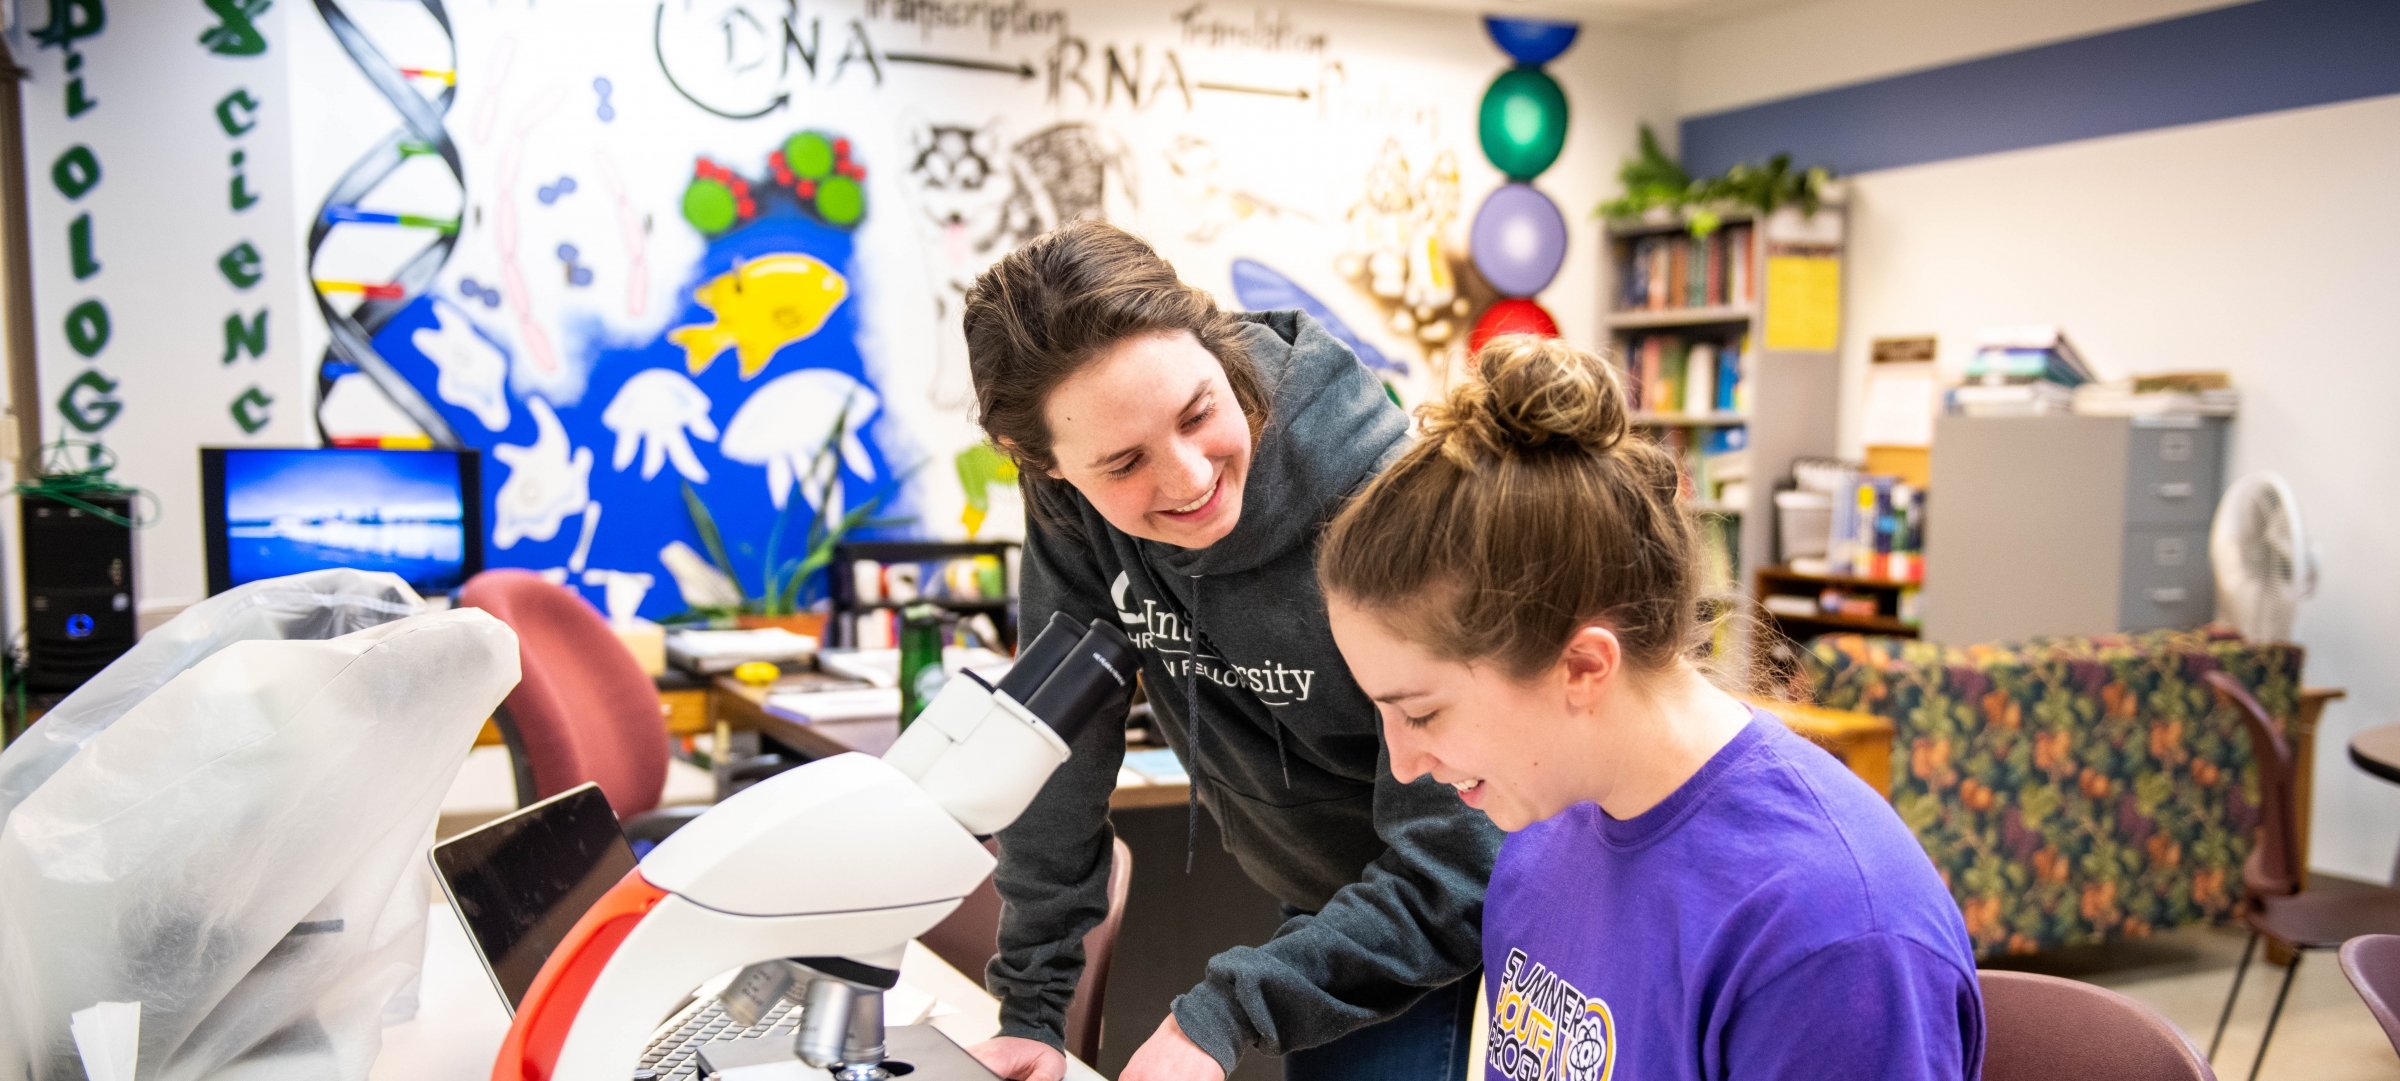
2051	525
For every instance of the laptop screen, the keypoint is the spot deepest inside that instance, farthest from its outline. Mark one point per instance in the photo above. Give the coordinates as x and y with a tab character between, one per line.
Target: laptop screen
520	882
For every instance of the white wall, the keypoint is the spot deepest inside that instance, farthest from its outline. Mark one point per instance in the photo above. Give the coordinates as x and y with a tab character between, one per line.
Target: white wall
2262	246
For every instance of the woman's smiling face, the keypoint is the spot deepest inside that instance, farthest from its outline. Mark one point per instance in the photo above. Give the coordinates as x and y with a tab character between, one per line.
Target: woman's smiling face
1150	433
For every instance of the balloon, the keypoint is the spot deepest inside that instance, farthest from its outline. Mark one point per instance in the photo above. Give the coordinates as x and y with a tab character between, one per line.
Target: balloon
1513	316
1519	240
1530	42
1523	122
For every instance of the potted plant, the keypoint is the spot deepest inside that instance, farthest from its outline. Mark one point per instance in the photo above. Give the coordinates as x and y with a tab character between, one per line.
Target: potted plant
789	587
1656	186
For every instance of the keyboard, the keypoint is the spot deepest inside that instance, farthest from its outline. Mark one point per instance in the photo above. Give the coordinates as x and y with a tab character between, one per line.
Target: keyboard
703	1020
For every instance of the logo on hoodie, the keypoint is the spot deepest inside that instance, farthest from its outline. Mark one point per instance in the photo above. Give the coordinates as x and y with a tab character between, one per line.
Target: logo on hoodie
1158	629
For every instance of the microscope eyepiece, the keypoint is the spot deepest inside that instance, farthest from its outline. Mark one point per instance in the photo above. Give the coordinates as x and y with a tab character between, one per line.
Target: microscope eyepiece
1100	668
1040	657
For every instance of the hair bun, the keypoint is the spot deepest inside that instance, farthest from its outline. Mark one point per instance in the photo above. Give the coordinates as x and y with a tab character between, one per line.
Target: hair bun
1532	394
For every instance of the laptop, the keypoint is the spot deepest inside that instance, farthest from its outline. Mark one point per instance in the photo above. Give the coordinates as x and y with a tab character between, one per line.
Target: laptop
519	883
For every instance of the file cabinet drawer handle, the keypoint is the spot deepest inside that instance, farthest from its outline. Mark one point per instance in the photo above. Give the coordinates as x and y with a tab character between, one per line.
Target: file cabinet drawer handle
2181	489
2168	595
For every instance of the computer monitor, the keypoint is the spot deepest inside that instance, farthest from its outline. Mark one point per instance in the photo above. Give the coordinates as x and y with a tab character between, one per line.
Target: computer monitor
273	511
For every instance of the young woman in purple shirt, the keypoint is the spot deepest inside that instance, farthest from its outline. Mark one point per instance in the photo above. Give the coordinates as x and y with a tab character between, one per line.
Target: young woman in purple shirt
1688	890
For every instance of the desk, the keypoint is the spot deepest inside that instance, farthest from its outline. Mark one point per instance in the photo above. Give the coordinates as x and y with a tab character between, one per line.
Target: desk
460	1023
742	705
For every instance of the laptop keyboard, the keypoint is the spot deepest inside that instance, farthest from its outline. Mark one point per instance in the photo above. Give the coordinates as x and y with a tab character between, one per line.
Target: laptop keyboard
672	1049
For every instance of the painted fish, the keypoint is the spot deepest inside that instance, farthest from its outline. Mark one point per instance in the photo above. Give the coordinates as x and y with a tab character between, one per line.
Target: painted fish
761	305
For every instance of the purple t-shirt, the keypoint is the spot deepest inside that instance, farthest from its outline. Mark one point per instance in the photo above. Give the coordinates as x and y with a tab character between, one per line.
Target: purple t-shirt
1770	919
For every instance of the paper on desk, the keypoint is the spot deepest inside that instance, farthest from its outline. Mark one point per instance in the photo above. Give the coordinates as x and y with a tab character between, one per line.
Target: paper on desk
108	1037
853	704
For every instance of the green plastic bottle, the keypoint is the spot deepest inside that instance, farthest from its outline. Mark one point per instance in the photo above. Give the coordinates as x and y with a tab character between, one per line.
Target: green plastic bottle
921	671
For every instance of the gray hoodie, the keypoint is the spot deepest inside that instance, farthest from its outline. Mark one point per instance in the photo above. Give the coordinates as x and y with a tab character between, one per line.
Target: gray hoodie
1283	748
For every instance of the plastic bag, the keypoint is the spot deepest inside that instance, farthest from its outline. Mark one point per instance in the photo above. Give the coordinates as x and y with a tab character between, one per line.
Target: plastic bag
240	850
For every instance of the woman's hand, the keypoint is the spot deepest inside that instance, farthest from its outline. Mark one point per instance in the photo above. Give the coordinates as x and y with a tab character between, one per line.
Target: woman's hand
1169	1055
1019	1059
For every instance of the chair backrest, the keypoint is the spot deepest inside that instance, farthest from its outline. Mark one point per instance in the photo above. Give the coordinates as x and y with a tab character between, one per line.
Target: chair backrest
2373	964
970	936
2042	1028
2274	866
584	710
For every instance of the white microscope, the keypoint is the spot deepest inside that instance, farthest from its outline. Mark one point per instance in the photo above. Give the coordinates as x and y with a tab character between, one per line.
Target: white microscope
834	866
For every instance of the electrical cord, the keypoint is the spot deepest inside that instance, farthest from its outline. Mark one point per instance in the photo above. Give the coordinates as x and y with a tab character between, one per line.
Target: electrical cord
64	481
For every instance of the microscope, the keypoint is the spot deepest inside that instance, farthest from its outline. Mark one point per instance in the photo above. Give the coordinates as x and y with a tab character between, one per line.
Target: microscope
827	870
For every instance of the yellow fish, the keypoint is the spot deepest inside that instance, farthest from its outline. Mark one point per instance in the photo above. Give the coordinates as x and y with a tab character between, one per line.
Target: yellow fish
761	306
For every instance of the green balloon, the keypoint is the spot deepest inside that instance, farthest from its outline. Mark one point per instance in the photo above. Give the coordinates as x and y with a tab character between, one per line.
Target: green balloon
840	200
709	206
1523	122
809	154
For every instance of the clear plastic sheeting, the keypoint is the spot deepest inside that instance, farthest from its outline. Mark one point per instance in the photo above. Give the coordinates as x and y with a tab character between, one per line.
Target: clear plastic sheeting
228	827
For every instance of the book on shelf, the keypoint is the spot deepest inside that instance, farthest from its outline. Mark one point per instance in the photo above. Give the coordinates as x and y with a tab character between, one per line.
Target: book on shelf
1680	375
1878	529
1663	272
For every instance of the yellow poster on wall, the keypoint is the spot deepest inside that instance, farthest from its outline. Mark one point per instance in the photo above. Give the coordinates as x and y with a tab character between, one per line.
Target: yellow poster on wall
1804	302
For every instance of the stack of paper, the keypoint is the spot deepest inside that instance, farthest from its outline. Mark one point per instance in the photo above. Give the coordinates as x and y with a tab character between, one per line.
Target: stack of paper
704	652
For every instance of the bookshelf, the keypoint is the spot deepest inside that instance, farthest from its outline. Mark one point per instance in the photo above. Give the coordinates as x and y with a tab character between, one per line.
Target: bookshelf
1892	603
1673	305
931	559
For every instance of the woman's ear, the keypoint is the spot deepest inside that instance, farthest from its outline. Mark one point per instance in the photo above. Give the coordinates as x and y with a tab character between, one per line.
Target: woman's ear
1590	660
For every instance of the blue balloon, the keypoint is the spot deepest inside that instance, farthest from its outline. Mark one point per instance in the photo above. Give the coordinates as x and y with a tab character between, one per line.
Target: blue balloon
1519	240
1530	41
1259	288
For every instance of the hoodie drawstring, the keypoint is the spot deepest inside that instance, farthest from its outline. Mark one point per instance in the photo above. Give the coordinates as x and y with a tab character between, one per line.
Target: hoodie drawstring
1191	716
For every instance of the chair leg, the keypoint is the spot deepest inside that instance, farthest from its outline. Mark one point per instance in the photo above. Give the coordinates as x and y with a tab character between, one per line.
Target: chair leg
2277	1013
2239	971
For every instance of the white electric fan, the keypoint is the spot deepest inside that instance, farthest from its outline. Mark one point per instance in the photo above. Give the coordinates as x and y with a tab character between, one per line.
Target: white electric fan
2260	553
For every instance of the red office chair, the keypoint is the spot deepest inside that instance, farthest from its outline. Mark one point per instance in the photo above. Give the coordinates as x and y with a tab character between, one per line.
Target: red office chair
2276	907
2373	964
584	710
2041	1028
970	937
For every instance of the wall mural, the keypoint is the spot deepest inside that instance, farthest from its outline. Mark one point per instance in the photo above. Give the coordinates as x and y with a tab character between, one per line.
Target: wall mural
632	250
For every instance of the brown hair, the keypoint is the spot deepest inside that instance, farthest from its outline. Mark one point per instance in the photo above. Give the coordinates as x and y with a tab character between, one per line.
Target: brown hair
1046	309
1524	513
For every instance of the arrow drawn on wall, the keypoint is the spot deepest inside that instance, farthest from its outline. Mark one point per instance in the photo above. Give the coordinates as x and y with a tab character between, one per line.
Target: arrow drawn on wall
1020	69
1263	91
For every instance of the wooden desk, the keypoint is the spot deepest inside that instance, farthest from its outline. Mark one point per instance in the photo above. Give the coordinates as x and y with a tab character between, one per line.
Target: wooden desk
741	705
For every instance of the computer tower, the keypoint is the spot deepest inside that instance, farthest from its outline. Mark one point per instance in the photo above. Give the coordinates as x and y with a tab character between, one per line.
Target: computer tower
78	588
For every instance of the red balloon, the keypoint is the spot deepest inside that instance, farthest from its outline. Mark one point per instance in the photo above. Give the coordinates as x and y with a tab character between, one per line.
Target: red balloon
1516	315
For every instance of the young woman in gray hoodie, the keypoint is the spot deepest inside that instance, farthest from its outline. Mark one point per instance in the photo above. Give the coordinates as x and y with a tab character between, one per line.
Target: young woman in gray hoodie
1178	462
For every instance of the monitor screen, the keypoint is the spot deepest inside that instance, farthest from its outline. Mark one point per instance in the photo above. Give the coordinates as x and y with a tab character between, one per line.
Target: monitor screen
520	882
278	511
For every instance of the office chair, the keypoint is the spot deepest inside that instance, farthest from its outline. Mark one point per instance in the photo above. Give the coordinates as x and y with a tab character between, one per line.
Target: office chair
585	710
2040	1028
970	937
2373	964
2276	907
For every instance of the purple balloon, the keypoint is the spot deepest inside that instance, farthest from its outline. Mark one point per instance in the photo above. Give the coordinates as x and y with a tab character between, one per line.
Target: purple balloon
1519	240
